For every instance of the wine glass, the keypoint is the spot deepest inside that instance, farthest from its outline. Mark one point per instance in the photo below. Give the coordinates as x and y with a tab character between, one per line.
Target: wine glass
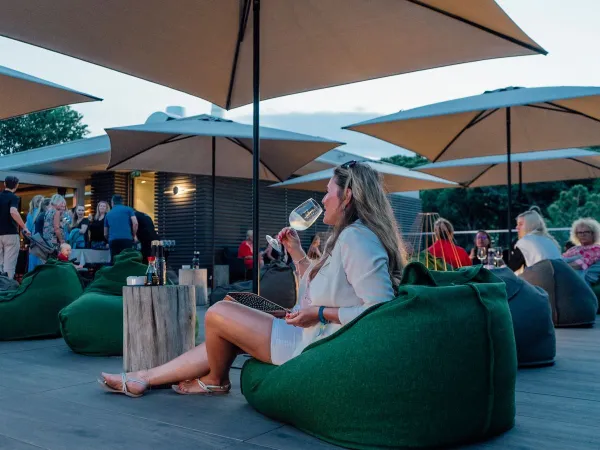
498	257
481	254
301	218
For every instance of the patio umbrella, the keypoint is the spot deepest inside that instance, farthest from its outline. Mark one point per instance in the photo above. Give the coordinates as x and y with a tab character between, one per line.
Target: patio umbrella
192	145
504	121
396	179
21	93
534	167
306	45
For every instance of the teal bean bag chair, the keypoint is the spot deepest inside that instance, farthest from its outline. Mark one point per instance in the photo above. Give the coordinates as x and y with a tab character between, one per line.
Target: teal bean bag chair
31	311
434	367
93	324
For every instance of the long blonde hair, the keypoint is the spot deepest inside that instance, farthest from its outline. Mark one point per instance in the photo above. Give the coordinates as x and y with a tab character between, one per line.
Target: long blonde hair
42	209
97	216
370	204
35	203
535	224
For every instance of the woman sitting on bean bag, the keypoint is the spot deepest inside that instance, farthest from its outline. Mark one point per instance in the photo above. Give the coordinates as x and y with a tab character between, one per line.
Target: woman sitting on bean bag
585	234
361	266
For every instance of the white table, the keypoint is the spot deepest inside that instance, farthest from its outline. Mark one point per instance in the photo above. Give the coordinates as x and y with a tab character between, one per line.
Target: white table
91	256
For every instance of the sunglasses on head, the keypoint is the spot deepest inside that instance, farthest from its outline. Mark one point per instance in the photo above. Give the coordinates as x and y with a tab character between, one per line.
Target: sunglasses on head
349	164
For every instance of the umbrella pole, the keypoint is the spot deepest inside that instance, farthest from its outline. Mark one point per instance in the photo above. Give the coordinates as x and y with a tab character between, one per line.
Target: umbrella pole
214	209
255	144
520	180
508	178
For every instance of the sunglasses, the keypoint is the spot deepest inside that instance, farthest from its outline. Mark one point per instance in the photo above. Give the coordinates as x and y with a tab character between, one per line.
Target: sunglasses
349	164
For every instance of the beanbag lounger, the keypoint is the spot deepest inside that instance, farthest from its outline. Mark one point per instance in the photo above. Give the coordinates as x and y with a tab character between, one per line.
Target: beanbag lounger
431	262
532	320
572	300
31	311
434	367
93	324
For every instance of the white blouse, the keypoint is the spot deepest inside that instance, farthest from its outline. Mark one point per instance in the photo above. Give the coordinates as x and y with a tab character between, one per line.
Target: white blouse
354	277
536	248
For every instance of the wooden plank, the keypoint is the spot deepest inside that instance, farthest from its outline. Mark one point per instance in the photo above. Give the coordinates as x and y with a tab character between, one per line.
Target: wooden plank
158	324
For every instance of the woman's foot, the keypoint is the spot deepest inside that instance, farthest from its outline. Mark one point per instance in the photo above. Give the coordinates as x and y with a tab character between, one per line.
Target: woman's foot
201	386
137	383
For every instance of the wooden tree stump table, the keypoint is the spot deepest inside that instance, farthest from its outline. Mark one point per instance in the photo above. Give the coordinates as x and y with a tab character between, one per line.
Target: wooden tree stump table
221	275
158	324
198	278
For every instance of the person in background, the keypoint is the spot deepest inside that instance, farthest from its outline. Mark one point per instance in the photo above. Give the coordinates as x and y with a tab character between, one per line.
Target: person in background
97	239
78	230
270	255
53	231
246	250
34	208
482	240
146	233
314	251
65	254
38	219
444	246
535	244
120	227
10	222
585	234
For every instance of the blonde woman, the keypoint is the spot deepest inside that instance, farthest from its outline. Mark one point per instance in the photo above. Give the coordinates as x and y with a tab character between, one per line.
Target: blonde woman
445	248
53	232
535	244
34	208
361	266
97	239
585	234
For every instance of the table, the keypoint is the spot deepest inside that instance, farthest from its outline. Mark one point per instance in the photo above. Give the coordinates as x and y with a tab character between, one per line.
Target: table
197	278
159	324
91	256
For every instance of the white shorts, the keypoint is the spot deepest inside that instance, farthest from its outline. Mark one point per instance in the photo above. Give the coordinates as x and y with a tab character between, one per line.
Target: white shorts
284	340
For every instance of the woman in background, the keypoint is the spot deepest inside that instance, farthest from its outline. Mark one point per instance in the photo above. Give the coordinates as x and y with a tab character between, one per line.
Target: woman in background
53	232
314	251
444	246
97	239
78	230
482	240
584	256
34	208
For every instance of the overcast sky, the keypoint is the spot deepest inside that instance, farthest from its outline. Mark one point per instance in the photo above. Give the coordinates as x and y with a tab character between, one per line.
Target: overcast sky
567	29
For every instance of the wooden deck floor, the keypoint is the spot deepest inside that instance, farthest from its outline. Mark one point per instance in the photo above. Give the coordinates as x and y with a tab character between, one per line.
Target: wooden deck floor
49	400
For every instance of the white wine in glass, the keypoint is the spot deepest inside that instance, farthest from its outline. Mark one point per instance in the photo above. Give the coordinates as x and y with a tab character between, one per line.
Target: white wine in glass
301	218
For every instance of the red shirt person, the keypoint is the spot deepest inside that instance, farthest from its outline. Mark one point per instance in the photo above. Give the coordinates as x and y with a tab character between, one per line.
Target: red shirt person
245	251
445	248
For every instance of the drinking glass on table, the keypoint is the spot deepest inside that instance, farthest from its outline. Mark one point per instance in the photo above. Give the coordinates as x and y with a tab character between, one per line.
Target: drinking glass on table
498	262
301	218
481	254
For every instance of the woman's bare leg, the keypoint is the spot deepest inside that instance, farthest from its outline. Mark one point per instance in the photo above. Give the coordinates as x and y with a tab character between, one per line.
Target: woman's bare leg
230	329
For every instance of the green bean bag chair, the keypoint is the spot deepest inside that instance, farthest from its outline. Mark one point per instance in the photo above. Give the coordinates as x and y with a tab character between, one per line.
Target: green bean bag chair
431	262
31	311
434	367
596	289
572	300
93	324
532	320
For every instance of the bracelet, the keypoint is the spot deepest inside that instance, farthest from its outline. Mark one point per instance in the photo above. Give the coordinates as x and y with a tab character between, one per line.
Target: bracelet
300	260
322	318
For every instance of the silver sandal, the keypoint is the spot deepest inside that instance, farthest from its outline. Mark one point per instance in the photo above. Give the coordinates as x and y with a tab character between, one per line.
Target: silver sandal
207	389
124	390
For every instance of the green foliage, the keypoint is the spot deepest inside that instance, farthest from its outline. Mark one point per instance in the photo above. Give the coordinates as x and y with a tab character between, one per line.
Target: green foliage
406	161
54	126
573	204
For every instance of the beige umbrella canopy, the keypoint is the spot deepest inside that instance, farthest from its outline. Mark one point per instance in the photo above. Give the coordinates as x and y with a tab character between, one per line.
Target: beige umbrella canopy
21	93
396	179
204	47
534	167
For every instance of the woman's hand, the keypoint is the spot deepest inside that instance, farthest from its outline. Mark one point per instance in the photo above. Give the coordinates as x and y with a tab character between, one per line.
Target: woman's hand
304	318
291	241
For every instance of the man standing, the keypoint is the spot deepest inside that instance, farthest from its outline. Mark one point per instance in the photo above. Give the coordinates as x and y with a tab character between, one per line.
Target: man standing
120	227
146	233
10	221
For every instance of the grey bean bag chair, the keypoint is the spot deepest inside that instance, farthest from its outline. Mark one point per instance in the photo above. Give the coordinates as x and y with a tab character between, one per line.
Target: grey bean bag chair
532	320
572	301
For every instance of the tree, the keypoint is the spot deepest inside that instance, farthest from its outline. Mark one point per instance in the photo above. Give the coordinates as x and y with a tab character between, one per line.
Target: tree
409	162
573	204
54	126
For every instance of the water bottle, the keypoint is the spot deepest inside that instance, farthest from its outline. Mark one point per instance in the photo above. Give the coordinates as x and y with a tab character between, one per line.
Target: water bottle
161	264
196	260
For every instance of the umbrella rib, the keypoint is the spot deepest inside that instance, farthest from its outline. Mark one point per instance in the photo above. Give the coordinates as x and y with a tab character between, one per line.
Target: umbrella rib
249	150
593	166
166	141
481	27
483	117
478	176
244	14
572	111
472	122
